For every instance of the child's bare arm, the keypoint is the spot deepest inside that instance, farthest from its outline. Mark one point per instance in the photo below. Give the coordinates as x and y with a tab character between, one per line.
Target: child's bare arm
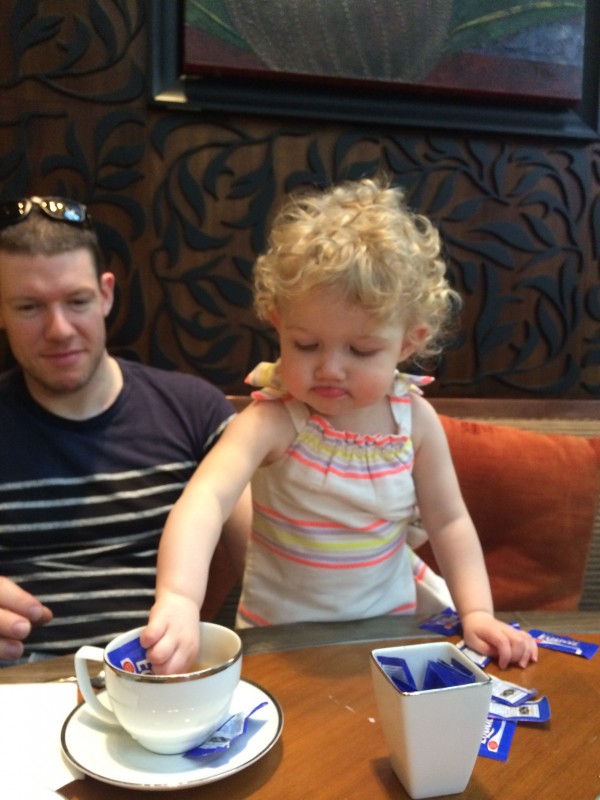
456	545
193	528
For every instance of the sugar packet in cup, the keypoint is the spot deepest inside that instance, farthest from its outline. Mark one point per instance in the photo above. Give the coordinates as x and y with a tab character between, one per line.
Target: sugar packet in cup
131	657
398	672
438	674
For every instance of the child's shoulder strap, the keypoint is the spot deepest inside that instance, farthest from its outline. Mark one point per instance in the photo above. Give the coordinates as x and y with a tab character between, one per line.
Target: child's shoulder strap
404	388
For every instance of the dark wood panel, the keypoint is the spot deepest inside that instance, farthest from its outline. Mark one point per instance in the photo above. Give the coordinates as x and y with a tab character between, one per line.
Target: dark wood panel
183	202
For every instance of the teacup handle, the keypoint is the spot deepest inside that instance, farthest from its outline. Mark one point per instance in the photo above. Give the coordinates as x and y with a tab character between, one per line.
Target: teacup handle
82	656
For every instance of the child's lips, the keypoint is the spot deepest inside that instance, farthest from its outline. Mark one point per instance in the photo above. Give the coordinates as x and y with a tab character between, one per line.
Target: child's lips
329	392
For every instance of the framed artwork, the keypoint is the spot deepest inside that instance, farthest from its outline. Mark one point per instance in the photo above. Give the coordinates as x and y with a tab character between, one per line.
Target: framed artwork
530	67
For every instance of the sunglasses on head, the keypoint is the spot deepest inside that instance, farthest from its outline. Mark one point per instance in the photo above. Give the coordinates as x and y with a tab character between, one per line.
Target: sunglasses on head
60	209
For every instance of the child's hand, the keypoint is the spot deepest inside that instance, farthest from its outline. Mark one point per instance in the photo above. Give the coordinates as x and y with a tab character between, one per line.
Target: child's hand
172	636
490	637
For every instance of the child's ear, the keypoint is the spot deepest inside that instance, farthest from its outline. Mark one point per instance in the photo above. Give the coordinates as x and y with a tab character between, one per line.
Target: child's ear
275	320
412	341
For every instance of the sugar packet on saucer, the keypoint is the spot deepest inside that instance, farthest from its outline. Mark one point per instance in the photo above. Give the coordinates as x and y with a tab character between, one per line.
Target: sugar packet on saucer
225	736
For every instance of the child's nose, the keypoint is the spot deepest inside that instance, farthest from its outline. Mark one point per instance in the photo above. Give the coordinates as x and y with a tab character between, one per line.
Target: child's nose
330	366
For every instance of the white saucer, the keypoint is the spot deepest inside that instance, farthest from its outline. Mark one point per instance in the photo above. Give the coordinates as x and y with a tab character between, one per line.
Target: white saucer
109	754
27	791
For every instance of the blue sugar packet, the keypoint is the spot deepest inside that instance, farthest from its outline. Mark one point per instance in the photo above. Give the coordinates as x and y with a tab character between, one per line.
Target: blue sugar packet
232	729
458	665
510	694
434	677
477	658
457	673
131	657
497	738
564	644
446	622
532	711
439	674
398	672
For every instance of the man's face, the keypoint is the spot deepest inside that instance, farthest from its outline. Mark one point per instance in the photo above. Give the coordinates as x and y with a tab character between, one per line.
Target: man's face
53	309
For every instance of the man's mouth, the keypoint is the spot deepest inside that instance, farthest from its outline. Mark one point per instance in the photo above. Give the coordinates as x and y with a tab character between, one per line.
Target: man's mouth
63	357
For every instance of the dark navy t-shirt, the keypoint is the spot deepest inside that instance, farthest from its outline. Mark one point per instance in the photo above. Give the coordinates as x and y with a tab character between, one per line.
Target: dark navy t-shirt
83	503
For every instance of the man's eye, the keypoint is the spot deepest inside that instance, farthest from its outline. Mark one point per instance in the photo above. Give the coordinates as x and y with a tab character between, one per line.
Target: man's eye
26	308
80	302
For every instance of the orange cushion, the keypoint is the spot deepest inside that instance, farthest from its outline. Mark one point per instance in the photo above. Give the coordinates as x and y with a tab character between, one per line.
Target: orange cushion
533	498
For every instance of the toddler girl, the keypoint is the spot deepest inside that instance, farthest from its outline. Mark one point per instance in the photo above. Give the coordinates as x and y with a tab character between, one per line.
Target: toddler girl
340	446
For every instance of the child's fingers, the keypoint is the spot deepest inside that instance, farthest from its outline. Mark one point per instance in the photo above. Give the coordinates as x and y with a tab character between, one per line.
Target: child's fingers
523	647
507	645
529	652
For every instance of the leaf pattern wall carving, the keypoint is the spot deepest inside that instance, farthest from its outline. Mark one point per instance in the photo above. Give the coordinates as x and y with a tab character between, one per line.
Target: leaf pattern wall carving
183	201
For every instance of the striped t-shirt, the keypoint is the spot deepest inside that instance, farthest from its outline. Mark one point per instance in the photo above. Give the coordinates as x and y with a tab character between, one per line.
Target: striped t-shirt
330	521
83	503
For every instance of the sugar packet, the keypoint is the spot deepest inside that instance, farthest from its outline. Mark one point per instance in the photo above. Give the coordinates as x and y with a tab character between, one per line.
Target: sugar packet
497	738
438	674
510	693
130	657
564	644
477	658
446	622
398	672
532	711
232	729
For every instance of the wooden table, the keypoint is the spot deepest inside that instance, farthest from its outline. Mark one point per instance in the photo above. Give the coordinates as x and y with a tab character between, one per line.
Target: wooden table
332	746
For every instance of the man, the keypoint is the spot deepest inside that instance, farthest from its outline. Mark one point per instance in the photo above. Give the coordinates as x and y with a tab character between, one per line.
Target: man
93	450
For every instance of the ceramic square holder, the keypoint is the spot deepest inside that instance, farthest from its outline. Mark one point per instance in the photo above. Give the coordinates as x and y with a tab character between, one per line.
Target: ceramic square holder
433	735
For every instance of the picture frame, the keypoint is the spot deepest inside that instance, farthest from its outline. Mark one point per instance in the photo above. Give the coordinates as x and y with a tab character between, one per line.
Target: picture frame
171	86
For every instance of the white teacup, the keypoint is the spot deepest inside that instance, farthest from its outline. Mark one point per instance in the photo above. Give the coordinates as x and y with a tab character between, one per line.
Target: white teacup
167	713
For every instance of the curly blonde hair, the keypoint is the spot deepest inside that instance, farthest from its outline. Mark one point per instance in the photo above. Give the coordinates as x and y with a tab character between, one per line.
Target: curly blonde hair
359	237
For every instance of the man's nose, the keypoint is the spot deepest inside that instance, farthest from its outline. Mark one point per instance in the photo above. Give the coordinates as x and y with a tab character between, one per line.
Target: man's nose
58	325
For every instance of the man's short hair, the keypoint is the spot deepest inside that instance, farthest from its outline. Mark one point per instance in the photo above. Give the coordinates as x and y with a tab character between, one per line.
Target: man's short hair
40	235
